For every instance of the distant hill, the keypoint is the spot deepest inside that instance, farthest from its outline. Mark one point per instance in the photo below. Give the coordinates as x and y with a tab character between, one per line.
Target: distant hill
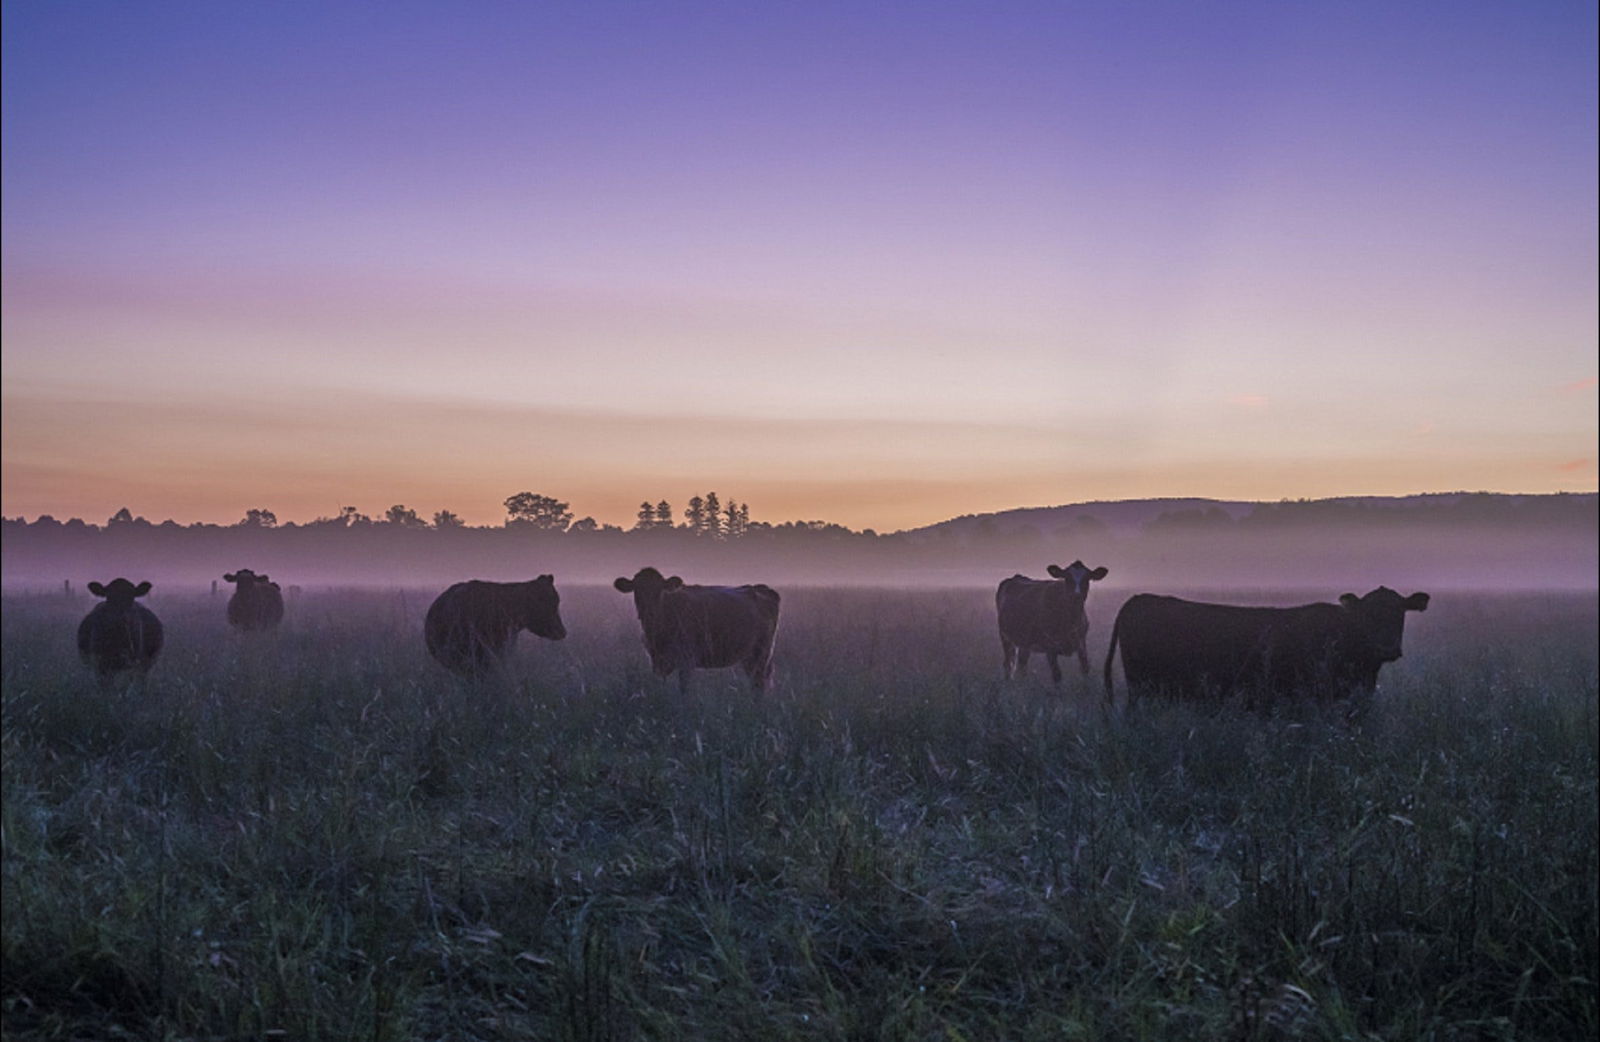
1125	516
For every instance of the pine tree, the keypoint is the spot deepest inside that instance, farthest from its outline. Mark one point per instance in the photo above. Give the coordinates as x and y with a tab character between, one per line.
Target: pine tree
713	515
647	517
695	514
663	514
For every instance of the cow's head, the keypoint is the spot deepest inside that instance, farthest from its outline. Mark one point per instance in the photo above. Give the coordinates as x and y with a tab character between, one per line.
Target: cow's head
1077	576
1379	619
541	608
119	591
244	578
647	586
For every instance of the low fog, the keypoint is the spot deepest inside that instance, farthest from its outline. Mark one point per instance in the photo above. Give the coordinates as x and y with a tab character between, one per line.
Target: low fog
1481	542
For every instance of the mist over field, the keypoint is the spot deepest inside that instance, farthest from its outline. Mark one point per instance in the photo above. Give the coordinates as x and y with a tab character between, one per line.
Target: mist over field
320	833
1334	546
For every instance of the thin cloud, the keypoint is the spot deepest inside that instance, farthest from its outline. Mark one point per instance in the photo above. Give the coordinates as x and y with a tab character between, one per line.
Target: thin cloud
1573	466
1579	386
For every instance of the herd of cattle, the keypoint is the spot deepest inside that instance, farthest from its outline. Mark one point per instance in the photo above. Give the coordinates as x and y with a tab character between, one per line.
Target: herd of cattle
1169	646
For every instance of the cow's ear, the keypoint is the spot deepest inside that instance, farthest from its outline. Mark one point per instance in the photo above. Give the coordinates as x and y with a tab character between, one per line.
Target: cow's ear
96	589
1417	602
624	585
1099	573
1055	572
142	589
262	578
1349	600
546	580
230	577
674	582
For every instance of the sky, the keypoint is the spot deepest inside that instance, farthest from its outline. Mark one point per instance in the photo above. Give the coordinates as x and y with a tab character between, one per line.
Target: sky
878	264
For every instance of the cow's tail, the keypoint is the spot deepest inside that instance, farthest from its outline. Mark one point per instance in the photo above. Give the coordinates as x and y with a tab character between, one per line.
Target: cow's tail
1111	657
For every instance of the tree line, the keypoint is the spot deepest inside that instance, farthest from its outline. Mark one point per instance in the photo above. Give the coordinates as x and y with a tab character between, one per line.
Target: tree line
707	516
704	515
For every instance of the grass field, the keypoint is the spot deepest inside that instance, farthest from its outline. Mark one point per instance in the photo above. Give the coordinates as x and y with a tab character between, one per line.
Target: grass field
321	835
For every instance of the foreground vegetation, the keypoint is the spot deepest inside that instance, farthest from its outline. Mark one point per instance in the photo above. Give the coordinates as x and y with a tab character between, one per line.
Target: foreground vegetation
320	835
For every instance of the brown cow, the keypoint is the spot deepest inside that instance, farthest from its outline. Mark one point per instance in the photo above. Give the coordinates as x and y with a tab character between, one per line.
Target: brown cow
1045	615
119	635
256	604
1189	649
704	627
472	625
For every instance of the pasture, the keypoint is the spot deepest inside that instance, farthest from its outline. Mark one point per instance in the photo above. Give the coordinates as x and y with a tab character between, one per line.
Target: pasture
320	834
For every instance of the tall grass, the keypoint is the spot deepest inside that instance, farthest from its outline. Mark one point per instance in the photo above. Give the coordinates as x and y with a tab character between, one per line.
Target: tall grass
319	834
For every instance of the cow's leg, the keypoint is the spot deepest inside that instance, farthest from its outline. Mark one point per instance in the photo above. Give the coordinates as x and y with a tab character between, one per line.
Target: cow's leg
1009	660
1022	660
683	680
759	669
1083	656
1055	667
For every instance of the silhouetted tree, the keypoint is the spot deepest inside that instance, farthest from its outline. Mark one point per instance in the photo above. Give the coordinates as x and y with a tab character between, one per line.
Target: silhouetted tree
351	517
713	515
542	512
258	519
663	514
121	517
402	516
585	524
647	517
446	519
695	514
735	519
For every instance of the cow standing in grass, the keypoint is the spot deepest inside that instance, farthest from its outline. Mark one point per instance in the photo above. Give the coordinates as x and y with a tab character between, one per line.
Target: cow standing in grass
256	604
704	627
472	626
1189	650
1045	615
118	635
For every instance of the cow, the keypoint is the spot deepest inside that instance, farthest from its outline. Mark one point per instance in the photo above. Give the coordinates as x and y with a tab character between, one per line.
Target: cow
256	604
1188	649
1045	615
704	627
472	626
118	635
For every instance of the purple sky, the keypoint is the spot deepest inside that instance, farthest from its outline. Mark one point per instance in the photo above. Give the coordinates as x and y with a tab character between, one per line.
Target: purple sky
870	263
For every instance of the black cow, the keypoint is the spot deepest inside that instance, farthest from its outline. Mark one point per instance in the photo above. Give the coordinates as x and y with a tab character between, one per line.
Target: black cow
472	625
256	604
1045	615
119	635
705	627
1187	649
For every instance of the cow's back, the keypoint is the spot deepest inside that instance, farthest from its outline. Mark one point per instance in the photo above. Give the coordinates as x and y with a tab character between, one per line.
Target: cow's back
1188	647
1037	614
715	626
466	617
